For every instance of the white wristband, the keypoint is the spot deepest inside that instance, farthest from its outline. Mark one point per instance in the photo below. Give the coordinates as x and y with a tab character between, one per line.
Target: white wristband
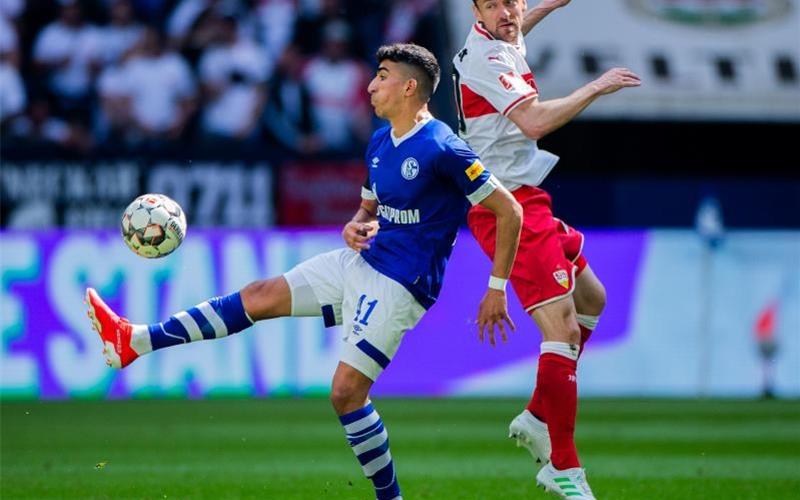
496	283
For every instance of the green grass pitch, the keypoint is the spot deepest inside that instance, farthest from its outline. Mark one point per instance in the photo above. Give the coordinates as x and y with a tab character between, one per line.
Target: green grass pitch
443	449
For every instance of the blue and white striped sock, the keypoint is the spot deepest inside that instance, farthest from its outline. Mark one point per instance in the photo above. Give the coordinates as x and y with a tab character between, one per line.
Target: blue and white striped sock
212	319
370	443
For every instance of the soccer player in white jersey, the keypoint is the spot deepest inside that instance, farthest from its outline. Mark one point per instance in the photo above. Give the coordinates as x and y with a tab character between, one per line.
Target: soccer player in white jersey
501	117
421	181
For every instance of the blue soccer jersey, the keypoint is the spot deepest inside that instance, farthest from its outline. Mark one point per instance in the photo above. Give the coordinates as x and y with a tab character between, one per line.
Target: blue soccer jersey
424	183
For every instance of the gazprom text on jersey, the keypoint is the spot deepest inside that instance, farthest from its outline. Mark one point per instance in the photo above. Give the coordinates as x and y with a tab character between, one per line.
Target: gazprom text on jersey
392	214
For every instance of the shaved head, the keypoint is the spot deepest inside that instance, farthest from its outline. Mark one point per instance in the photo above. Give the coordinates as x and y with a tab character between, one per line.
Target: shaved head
418	61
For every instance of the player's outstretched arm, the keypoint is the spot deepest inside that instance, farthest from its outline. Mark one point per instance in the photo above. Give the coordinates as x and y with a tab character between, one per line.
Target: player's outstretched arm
538	118
362	228
493	309
539	12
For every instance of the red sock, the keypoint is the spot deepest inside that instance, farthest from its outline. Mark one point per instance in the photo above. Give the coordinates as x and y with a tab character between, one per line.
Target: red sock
536	405
585	334
557	383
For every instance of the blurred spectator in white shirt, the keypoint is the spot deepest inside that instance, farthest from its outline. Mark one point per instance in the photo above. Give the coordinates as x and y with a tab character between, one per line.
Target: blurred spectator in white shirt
275	24
67	51
233	73
403	18
11	9
337	83
155	92
113	117
12	93
183	17
9	41
121	34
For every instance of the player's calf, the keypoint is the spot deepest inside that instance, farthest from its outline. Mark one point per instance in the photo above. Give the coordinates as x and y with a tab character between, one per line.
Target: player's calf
370	442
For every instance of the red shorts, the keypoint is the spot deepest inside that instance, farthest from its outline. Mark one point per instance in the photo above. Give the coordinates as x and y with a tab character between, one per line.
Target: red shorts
549	256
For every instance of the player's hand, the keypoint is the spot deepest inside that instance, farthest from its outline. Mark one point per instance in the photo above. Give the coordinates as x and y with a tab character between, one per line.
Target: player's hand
372	229
616	79
357	235
493	312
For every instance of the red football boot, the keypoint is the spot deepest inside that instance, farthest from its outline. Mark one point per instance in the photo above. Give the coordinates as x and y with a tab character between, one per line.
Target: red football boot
115	332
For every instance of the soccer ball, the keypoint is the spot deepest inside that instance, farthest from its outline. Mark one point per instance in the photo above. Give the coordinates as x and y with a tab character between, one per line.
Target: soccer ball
153	225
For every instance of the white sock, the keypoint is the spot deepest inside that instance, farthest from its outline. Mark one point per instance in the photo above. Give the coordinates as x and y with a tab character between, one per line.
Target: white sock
587	321
140	339
569	351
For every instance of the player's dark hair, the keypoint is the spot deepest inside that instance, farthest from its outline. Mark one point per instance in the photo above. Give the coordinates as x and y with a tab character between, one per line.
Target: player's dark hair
420	59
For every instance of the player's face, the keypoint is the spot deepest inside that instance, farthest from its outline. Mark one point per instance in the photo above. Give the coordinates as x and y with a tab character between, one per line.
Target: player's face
501	18
387	89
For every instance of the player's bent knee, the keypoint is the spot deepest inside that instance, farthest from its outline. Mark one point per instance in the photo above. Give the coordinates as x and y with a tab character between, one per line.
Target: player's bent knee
349	390
590	295
573	333
558	322
266	299
347	397
567	331
599	299
340	395
572	328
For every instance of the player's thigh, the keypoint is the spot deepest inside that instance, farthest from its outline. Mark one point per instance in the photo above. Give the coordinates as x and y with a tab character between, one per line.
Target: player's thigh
542	272
557	321
317	285
590	294
377	313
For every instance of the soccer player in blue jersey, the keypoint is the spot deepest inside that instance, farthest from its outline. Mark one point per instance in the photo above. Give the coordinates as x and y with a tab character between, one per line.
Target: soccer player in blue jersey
421	181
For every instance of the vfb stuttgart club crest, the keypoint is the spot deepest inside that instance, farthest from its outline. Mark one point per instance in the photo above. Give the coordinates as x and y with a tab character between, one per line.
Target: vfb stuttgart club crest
409	168
562	278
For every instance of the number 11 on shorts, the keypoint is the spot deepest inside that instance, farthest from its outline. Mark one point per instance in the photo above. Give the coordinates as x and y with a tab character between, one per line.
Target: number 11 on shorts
370	306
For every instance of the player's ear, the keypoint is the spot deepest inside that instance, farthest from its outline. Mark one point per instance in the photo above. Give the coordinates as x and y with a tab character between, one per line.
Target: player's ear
411	86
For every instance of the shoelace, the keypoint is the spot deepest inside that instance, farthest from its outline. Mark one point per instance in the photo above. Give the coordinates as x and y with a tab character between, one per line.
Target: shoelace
580	480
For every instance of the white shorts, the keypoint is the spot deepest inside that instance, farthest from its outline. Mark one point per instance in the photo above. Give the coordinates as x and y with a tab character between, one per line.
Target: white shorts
374	310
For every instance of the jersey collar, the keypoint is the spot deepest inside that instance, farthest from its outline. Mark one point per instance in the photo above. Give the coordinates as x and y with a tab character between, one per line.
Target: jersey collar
484	33
399	140
478	27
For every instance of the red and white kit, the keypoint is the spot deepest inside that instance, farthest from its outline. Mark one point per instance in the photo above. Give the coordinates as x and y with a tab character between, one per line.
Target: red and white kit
491	79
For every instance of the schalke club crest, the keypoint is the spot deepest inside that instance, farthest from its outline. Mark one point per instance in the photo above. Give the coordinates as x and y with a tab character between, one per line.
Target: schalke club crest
409	168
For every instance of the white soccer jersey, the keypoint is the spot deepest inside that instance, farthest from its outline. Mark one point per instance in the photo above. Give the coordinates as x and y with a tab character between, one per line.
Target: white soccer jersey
491	79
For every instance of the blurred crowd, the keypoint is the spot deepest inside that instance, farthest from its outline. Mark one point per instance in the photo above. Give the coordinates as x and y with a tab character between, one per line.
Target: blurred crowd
117	76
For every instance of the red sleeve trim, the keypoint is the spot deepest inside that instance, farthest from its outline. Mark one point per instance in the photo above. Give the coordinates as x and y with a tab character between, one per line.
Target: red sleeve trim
518	101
